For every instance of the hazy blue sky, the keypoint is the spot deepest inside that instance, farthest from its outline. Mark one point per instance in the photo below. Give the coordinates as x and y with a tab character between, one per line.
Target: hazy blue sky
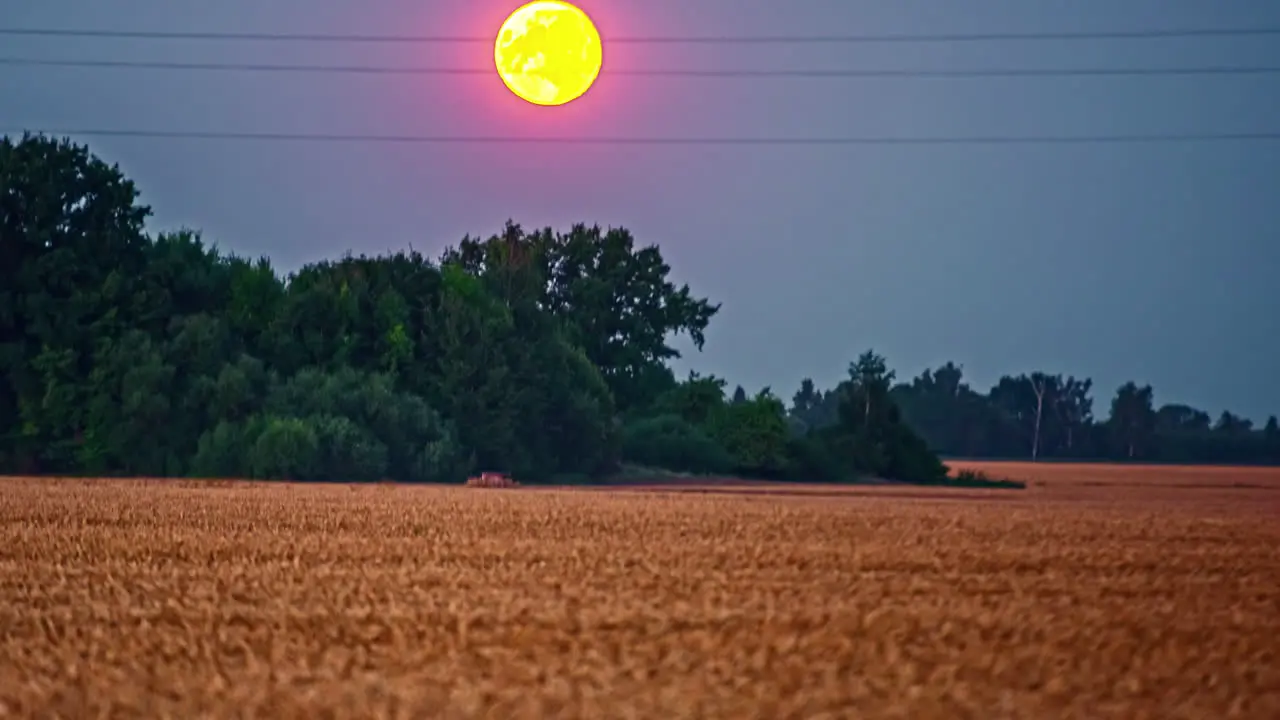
1156	263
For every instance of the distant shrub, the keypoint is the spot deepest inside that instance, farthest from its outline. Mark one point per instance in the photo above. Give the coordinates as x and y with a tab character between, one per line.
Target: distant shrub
754	432
287	449
416	443
909	458
810	460
672	443
347	452
224	451
979	479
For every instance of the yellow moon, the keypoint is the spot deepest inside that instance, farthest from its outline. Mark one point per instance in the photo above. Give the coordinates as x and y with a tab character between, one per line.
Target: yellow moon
548	52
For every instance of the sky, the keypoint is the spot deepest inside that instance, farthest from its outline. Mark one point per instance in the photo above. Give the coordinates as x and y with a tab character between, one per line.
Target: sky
1155	263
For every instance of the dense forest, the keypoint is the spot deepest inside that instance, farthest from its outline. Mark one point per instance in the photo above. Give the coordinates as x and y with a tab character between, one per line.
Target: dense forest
541	354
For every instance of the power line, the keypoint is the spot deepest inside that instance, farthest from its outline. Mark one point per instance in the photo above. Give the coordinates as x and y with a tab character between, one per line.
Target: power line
891	73
705	39
1143	138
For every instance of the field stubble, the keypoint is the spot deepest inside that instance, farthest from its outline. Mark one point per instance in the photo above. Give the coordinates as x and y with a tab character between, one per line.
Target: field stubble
189	600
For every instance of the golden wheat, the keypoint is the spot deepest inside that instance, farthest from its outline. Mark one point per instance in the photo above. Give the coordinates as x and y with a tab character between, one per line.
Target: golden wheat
185	600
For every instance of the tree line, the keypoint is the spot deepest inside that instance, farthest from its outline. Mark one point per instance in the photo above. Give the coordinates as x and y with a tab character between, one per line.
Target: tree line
542	354
538	353
1040	415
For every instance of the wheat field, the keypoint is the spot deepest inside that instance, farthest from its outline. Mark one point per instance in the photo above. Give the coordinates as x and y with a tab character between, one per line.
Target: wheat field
1066	600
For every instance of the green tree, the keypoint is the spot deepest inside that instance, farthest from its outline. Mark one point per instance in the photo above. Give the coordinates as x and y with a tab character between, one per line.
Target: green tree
255	297
570	420
72	249
1133	419
225	450
475	379
286	449
347	451
182	276
952	417
383	431
1073	408
615	300
812	409
755	433
870	437
697	399
129	423
670	442
806	399
869	383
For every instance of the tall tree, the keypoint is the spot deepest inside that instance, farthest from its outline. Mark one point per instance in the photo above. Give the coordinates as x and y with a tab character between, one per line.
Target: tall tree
1023	399
695	400
1074	407
615	299
869	437
1132	419
805	399
813	409
72	253
870	380
1041	386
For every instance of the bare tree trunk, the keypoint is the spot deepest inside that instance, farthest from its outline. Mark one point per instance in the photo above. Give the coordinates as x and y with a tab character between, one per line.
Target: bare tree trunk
1039	389
1035	441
